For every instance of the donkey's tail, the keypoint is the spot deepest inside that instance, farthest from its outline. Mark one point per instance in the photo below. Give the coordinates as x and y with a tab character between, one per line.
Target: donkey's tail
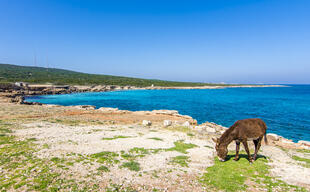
265	135
265	139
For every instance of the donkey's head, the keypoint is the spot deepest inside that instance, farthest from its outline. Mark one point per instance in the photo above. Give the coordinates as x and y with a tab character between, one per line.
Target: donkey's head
221	150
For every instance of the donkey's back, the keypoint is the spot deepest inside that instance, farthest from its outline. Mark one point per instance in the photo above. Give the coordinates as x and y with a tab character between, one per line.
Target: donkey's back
249	129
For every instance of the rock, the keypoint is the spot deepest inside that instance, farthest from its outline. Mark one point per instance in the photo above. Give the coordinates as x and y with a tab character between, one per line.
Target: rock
186	124
167	123
167	112
304	143
87	107
177	123
273	137
146	123
287	141
210	130
200	128
108	109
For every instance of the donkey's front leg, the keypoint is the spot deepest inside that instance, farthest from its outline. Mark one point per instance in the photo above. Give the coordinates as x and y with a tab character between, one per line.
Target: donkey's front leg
237	150
245	143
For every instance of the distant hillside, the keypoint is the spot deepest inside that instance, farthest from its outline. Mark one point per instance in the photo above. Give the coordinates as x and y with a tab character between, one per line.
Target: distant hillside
14	73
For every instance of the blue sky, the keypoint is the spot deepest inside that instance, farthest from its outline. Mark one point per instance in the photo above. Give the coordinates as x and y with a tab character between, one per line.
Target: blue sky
233	41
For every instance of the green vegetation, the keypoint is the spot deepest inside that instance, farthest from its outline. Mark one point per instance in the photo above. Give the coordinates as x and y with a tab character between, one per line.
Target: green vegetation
181	160
131	165
15	73
103	168
156	138
115	137
22	170
106	157
239	175
181	147
303	150
190	134
305	160
119	188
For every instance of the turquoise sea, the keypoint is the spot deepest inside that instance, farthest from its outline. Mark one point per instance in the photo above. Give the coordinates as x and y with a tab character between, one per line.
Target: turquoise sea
286	110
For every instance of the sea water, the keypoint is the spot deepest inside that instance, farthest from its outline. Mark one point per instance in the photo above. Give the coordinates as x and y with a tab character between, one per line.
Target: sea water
286	110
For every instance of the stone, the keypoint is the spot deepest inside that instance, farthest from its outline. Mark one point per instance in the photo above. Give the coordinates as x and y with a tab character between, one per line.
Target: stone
287	141
305	143
167	123
273	137
167	112
146	123
210	130
186	124
87	107
108	109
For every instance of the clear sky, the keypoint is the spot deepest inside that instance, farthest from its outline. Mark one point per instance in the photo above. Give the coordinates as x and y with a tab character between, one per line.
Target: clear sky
232	41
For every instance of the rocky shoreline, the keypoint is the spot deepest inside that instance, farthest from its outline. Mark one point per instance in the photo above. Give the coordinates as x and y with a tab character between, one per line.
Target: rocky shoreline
17	95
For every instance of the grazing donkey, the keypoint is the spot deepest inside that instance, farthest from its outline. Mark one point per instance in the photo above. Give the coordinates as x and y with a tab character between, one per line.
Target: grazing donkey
242	131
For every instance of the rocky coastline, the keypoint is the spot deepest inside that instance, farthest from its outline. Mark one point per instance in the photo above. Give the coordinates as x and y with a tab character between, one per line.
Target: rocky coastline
17	94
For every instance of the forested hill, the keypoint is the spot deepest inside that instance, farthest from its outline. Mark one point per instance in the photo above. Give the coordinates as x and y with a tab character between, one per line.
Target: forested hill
14	73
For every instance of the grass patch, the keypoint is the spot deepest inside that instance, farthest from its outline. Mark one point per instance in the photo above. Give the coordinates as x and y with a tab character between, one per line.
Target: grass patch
181	160
232	175
106	157
132	165
115	137
207	146
303	150
156	138
103	168
305	160
181	147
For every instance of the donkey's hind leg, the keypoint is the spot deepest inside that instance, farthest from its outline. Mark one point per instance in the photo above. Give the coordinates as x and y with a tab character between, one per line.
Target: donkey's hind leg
245	143
257	144
237	150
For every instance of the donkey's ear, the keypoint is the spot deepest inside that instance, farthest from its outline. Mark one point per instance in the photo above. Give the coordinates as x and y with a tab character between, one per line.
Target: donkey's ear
214	140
